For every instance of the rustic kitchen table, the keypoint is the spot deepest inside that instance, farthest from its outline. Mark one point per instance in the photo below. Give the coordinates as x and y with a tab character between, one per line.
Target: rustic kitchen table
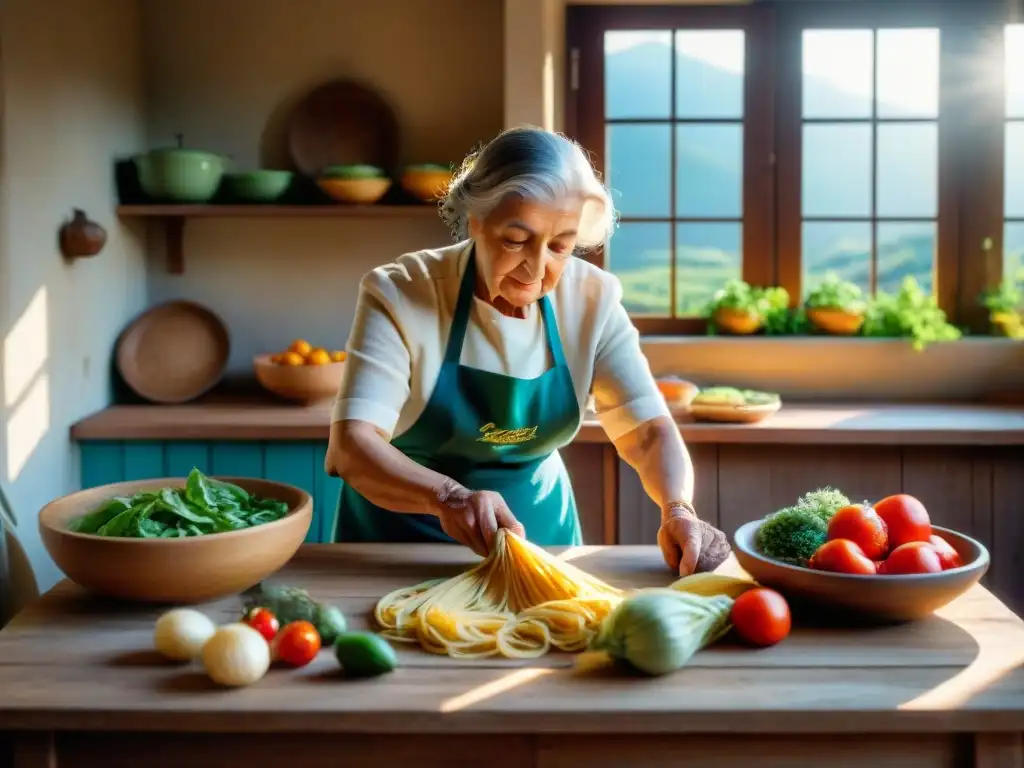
79	686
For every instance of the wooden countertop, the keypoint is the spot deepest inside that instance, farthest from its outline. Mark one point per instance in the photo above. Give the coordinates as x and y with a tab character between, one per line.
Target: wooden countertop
258	418
79	663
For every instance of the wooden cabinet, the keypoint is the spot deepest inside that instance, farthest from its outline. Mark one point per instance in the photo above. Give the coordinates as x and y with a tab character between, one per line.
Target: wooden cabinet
979	491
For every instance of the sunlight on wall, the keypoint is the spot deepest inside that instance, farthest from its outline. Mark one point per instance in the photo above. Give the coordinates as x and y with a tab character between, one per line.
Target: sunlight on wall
26	383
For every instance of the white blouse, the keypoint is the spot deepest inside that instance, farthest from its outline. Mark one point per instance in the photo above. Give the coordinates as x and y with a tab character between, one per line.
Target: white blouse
401	326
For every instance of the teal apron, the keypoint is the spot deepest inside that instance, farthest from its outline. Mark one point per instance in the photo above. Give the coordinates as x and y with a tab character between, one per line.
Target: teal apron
488	432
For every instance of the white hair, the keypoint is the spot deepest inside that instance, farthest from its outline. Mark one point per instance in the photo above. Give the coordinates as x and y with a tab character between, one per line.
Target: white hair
536	165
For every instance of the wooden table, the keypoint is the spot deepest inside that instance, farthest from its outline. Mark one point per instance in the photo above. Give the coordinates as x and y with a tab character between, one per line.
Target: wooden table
80	687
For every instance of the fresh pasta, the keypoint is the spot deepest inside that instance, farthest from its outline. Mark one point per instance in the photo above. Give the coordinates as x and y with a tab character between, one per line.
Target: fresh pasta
518	602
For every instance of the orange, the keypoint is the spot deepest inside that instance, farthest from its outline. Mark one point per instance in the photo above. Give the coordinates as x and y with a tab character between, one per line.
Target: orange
318	357
338	356
300	347
292	358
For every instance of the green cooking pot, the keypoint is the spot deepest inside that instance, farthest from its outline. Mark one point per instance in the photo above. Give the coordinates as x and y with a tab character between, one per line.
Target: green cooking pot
180	175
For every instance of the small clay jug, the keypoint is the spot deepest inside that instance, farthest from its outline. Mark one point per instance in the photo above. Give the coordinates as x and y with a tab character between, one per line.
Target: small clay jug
81	237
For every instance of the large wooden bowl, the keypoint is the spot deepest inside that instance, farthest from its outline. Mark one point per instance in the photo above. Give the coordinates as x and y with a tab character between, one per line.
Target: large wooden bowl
189	570
887	598
306	384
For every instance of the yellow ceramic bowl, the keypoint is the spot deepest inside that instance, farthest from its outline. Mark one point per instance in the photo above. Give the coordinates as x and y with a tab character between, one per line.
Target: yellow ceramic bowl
355	191
426	185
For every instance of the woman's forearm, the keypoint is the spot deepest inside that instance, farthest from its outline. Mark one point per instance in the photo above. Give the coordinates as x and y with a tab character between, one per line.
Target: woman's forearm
656	451
383	475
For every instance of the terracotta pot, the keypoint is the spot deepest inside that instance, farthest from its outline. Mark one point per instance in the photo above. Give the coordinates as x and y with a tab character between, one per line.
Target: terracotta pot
738	322
81	237
838	322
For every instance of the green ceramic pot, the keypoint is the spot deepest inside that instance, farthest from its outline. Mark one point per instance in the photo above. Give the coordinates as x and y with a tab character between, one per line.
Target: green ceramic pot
180	175
263	186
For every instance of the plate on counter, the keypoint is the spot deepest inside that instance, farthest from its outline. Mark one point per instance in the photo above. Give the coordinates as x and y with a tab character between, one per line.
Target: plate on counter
174	352
733	406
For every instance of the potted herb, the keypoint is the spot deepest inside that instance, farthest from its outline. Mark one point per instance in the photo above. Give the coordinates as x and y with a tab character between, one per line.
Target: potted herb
912	314
1004	306
836	306
742	309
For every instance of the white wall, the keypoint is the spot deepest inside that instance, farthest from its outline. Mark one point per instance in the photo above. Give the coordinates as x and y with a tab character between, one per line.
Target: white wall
438	62
72	101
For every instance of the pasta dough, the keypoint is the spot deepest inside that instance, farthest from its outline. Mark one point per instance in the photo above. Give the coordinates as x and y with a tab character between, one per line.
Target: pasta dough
518	602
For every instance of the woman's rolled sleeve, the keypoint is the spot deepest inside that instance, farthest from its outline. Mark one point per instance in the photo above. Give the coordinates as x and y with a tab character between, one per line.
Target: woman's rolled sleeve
625	395
375	385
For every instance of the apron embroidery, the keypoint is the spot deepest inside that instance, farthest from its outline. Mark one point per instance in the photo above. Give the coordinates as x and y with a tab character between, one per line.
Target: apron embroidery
519	459
506	436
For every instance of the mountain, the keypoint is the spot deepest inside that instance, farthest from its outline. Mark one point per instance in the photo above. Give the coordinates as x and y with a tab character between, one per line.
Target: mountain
709	171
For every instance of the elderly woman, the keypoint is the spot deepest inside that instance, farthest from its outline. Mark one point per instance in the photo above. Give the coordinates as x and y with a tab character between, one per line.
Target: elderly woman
470	366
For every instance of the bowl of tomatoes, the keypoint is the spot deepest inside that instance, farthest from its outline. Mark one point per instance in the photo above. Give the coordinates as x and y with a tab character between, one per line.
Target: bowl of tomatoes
884	560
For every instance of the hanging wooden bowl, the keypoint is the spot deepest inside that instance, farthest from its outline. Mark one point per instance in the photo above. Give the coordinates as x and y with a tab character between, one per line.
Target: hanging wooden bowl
173	352
342	123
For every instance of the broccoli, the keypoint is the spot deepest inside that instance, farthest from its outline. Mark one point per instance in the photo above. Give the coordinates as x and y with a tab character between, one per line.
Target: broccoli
794	534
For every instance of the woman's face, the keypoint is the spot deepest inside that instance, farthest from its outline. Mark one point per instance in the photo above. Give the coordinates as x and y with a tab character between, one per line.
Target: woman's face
523	247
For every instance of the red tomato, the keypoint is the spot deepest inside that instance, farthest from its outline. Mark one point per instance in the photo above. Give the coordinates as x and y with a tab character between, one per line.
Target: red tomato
912	557
263	621
906	518
842	556
761	616
296	644
861	525
948	556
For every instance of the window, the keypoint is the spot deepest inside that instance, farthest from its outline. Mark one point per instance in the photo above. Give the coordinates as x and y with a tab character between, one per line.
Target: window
869	135
1013	184
778	142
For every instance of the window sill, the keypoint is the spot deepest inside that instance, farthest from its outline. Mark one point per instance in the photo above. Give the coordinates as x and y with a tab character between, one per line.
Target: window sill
823	368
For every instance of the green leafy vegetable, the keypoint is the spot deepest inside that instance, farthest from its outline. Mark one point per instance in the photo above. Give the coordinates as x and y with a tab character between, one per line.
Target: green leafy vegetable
733	396
290	604
740	295
203	506
1006	298
910	313
834	293
793	534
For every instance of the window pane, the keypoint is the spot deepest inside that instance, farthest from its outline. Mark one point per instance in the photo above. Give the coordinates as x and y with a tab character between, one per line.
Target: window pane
709	73
838	73
638	254
638	74
1013	251
1014	170
709	175
905	249
840	247
908	166
1015	70
638	168
707	255
908	73
837	170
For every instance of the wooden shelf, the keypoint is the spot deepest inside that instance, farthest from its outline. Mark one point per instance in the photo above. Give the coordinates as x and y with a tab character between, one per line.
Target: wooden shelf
173	218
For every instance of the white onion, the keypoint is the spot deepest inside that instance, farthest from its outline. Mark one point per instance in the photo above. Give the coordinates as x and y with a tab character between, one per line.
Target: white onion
236	655
181	633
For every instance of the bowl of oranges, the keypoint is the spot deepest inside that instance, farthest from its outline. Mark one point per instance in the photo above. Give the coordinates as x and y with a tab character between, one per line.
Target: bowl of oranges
302	373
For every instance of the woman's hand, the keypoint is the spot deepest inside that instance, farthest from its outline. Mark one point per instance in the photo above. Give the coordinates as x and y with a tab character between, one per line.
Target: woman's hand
688	543
474	517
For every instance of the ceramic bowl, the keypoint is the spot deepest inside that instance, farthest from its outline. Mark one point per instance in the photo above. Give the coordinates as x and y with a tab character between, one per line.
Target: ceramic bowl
184	571
262	186
427	184
306	384
355	191
886	598
838	322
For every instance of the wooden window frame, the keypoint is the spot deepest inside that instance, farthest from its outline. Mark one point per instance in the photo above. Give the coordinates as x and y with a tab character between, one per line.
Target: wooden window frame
970	123
585	111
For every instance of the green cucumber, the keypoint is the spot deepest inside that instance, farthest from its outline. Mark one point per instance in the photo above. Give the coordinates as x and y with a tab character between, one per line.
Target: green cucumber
364	654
